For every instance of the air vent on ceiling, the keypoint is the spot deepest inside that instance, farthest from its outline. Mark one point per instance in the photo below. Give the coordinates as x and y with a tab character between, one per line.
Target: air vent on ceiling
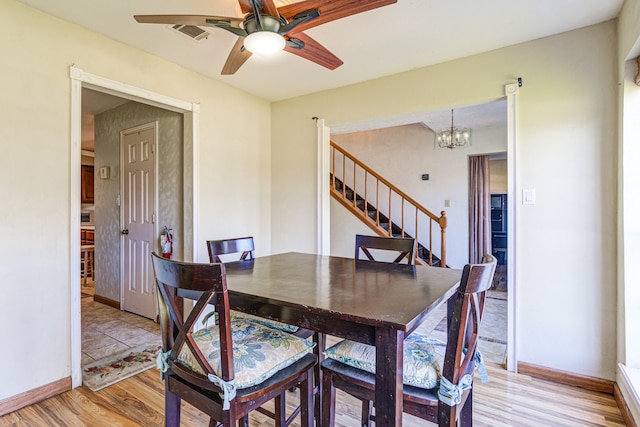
191	31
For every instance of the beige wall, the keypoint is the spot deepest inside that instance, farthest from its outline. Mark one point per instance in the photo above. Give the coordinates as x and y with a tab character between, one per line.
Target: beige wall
498	176
234	179
565	124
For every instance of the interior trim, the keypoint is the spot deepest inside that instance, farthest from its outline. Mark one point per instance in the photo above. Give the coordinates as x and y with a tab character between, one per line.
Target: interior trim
19	401
513	213
107	301
567	378
627	397
624	408
323	244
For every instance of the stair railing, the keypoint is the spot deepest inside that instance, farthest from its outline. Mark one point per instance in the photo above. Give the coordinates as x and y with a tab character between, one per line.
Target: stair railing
358	181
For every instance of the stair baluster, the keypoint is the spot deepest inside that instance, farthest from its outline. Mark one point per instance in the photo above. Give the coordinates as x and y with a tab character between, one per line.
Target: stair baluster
385	225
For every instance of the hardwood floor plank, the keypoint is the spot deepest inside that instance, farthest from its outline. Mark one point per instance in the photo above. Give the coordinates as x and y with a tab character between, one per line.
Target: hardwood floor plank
509	400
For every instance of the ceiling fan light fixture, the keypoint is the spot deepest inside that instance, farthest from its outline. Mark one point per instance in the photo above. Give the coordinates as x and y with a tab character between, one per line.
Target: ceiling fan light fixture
264	42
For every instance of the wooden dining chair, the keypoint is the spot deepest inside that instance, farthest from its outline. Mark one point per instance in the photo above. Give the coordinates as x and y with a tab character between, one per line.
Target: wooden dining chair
245	247
231	368
404	245
437	376
242	245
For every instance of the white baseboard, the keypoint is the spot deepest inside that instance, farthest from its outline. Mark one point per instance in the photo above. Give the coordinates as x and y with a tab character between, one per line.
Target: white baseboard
628	380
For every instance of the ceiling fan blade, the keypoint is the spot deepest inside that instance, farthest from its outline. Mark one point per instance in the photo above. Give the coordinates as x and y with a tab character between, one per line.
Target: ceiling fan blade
314	52
236	58
198	20
269	7
246	6
329	10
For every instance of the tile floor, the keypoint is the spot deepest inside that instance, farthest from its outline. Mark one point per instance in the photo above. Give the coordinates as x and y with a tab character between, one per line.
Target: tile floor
106	330
493	330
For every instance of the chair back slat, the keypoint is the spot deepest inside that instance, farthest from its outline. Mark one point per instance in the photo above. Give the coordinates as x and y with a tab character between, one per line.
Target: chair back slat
463	331
404	245
205	284
242	245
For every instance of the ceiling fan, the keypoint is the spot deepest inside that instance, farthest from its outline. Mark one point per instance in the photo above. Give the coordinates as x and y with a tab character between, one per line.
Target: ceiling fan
282	26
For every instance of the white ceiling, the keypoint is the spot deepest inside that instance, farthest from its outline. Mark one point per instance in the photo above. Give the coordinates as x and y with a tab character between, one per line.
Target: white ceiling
403	36
406	35
493	114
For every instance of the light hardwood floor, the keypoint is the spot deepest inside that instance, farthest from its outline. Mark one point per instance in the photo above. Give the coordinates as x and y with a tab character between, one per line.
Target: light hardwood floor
508	400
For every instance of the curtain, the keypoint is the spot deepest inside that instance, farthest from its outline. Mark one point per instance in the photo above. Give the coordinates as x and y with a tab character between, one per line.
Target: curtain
479	208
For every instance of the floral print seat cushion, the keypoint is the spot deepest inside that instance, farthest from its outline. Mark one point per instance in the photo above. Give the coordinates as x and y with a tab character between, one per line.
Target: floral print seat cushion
423	358
266	322
258	351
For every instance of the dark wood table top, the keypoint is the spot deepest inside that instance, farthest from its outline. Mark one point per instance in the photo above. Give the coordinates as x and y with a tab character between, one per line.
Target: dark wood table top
371	302
311	287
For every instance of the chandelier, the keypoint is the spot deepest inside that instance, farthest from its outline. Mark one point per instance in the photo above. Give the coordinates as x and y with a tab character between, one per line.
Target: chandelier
453	137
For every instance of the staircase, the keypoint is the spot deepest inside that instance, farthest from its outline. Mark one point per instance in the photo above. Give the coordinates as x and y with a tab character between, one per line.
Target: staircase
386	209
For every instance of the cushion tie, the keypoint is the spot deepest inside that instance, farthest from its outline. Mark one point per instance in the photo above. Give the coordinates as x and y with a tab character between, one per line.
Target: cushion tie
162	361
452	394
228	389
478	360
482	370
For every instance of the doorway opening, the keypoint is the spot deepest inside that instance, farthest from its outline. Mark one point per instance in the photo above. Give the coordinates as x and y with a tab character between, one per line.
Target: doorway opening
447	174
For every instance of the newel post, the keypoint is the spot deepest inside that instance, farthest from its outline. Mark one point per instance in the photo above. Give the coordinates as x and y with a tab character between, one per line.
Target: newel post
443	238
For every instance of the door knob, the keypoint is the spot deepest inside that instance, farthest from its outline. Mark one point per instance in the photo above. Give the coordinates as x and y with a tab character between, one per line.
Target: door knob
125	231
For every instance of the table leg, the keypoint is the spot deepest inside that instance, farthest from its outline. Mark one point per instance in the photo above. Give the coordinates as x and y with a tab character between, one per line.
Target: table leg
389	351
320	340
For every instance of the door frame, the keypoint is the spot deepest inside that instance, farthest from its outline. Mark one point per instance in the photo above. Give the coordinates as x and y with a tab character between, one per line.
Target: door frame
513	212
155	150
191	137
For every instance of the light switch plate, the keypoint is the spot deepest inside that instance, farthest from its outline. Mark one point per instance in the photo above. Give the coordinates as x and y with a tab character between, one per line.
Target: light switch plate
104	172
529	196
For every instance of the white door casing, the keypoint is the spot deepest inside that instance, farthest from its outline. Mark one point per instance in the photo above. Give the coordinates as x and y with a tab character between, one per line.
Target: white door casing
138	211
191	112
323	244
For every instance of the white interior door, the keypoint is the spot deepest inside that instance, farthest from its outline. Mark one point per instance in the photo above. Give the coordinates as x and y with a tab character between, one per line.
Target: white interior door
137	148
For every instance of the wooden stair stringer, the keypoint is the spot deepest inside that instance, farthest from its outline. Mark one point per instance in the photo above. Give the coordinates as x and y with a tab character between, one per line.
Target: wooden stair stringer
367	220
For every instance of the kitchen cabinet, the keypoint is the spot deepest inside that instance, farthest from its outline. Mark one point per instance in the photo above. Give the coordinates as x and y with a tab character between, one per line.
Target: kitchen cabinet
86	190
87	237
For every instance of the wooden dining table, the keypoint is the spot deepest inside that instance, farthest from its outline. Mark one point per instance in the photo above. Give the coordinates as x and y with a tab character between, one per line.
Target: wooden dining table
370	302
